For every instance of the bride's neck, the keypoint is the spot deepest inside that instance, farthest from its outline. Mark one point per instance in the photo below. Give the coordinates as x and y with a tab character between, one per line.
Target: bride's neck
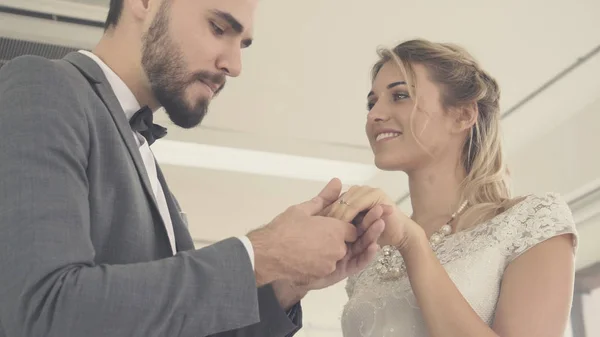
434	197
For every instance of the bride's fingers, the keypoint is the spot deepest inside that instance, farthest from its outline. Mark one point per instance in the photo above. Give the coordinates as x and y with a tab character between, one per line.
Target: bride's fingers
387	210
332	209
353	202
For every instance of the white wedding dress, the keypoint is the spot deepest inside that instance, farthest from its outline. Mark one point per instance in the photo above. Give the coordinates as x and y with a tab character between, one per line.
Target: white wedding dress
475	259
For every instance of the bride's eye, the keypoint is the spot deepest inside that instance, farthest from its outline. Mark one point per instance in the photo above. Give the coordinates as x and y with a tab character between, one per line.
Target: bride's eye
399	96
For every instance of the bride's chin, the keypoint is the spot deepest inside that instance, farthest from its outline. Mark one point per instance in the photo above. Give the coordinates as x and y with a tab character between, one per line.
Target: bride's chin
388	164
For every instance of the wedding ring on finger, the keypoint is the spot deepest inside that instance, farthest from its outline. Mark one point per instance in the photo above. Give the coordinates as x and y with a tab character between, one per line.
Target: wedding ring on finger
344	202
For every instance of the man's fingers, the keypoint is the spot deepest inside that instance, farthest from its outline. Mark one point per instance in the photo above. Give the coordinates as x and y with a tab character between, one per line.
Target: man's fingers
370	218
359	262
350	232
331	192
326	197
326	211
369	237
367	256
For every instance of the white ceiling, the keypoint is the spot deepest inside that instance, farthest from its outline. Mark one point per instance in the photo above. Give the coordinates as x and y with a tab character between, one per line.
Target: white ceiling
98	3
304	84
303	88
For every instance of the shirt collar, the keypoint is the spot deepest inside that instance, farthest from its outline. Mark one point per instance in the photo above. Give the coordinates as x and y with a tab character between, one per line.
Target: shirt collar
128	102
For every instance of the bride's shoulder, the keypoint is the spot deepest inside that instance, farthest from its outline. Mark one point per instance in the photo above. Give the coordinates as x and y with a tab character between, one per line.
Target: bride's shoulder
536	218
539	206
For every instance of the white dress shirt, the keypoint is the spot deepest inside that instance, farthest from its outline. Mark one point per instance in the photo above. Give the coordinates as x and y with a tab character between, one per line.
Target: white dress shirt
130	106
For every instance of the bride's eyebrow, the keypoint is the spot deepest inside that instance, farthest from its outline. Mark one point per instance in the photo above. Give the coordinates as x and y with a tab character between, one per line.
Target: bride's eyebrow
389	86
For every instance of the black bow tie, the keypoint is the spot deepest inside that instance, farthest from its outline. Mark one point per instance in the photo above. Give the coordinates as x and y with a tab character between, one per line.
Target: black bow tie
142	122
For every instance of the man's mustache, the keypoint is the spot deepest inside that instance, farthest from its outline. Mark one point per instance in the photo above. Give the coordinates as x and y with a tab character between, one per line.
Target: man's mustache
217	79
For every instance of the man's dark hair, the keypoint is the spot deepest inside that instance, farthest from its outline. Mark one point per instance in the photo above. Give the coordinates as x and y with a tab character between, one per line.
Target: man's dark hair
114	13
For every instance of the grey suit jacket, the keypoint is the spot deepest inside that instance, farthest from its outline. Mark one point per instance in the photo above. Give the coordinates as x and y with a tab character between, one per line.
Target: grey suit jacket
83	249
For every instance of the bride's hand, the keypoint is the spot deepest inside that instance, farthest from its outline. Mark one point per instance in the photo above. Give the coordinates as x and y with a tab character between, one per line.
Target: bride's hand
400	231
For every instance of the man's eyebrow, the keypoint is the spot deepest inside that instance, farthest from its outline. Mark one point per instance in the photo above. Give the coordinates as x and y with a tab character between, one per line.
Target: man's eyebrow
234	23
231	20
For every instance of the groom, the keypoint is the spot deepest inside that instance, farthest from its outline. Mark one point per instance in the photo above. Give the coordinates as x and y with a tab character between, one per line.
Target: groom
92	242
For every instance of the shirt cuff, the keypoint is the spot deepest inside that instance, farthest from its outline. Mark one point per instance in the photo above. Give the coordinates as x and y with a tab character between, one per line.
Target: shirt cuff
293	313
295	316
249	248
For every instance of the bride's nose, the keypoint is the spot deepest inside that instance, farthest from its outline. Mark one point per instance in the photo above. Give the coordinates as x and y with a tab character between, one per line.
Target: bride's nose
377	114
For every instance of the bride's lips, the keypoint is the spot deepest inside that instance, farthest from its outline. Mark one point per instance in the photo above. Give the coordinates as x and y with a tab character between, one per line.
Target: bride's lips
382	135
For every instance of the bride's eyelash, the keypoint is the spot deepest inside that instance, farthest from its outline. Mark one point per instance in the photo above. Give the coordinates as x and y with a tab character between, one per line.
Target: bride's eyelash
397	96
400	96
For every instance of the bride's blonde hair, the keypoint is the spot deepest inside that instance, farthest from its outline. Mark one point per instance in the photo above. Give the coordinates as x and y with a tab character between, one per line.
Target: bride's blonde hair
462	82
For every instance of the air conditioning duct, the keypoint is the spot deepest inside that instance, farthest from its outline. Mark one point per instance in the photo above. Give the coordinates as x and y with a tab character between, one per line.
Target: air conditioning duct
49	28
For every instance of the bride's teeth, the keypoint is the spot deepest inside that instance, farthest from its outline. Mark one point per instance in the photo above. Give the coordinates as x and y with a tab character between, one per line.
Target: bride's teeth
387	135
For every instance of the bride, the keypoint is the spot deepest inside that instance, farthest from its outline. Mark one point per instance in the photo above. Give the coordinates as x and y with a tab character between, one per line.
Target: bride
471	260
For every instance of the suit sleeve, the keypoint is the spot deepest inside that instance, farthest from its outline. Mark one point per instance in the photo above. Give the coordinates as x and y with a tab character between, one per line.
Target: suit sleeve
274	322
49	282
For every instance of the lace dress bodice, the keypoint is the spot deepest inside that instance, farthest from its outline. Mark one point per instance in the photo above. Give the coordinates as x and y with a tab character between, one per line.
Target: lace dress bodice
475	260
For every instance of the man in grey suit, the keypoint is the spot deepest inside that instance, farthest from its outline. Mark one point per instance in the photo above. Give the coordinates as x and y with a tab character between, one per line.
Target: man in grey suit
92	242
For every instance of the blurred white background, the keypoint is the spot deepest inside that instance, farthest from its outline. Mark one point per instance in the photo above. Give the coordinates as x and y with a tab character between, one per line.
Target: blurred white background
295	117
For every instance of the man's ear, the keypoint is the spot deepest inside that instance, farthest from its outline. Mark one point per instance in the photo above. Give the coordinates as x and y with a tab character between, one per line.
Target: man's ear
140	9
465	117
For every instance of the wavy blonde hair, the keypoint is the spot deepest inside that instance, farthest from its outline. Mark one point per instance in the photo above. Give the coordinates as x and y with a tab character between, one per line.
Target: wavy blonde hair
462	82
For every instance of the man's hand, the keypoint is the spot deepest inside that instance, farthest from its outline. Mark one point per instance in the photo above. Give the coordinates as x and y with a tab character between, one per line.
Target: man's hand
360	253
288	293
299	246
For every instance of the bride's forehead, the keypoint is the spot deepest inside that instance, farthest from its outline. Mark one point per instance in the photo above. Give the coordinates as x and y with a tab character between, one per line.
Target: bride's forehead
388	72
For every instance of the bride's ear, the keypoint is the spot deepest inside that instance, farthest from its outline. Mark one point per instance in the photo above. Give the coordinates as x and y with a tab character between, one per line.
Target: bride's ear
464	117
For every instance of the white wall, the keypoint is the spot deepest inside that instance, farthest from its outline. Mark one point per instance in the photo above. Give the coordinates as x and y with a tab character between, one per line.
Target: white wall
563	159
591	313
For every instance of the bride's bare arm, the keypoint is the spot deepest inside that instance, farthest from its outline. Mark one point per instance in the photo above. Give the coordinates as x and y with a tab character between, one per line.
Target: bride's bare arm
535	296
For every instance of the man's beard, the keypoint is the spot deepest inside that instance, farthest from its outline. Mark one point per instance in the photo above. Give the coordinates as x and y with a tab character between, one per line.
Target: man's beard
164	65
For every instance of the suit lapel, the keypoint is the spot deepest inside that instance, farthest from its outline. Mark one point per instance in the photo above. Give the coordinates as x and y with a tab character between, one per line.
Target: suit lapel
94	74
183	239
